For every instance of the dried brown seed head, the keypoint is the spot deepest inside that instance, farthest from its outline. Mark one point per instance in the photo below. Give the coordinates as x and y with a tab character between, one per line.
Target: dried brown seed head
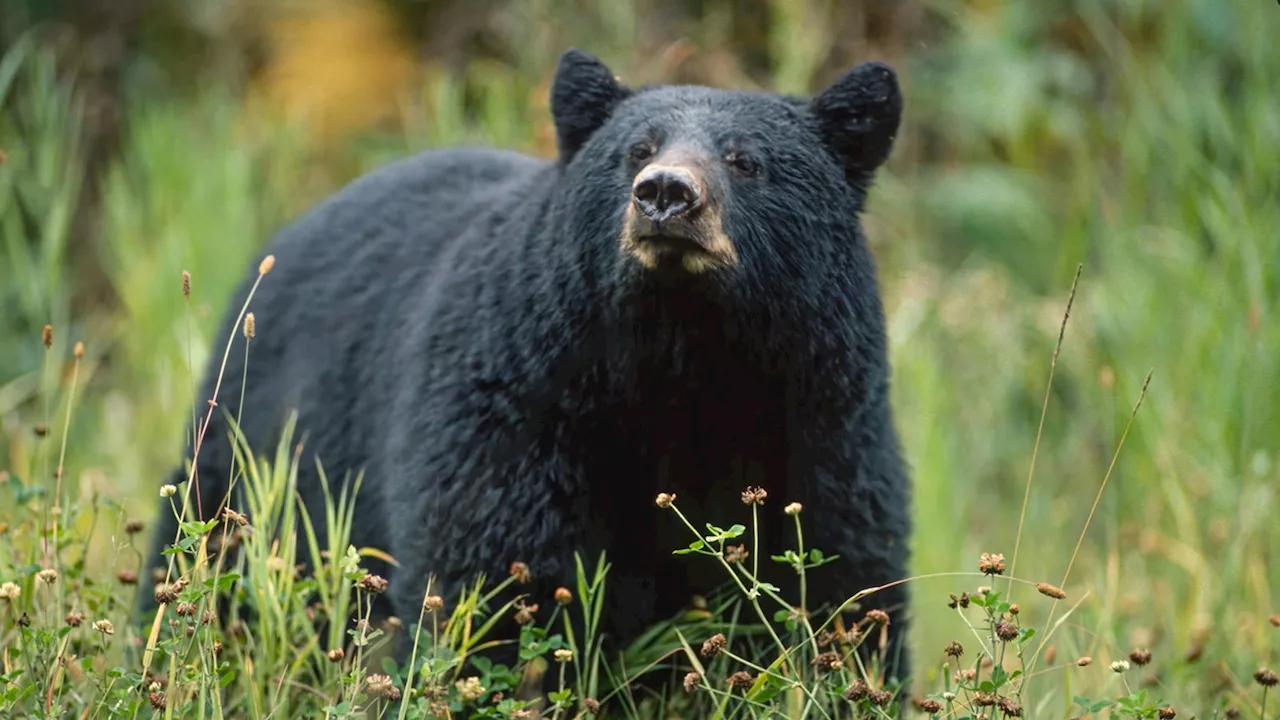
591	706
78	350
1167	713
185	609
157	700
250	326
876	617
432	603
953	649
372	584
692	681
563	596
524	613
1274	620
46	336
186	284
984	699
127	577
1265	677
991	564
104	626
880	698
133	526
754	496
1007	631
1010	707
40	430
714	645
827	661
736	554
74	619
929	706
1084	661
665	500
520	572
741	680
858	690
335	655
166	594
1140	656
380	684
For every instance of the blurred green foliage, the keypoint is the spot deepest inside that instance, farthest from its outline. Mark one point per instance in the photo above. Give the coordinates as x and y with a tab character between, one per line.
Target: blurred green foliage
1139	138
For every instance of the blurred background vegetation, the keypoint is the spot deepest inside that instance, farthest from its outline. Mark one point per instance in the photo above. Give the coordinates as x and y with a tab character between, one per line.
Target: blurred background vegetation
1140	138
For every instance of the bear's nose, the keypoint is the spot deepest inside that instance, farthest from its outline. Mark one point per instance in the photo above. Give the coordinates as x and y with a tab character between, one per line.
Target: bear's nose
666	192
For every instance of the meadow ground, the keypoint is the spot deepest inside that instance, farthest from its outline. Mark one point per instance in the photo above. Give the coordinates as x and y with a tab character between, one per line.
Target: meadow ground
1136	142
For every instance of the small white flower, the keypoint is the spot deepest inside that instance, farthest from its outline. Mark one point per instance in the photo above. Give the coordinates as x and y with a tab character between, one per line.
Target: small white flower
48	575
168	490
10	591
793	509
1119	666
104	626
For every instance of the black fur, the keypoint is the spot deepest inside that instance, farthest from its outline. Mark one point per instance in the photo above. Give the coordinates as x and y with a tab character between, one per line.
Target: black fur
462	325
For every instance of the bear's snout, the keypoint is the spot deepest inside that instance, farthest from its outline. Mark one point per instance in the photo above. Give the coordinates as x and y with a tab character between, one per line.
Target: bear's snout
672	220
667	192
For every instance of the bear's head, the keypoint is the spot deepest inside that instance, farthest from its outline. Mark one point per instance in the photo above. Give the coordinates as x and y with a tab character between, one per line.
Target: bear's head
692	183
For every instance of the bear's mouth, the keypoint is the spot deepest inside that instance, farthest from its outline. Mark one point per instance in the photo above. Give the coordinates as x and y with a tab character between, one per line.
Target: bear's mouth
672	244
696	244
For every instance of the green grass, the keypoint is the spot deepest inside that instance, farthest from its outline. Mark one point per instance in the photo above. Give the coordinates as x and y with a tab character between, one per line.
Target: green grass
1137	139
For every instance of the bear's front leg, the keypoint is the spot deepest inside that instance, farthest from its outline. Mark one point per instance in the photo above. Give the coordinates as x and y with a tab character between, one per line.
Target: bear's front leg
475	501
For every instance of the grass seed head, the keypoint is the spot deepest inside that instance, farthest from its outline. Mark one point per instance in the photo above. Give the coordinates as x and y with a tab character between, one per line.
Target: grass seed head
186	284
1052	591
46	336
267	263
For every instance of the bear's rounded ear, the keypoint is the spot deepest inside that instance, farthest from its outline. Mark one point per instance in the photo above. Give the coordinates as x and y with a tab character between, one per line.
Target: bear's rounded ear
858	118
584	93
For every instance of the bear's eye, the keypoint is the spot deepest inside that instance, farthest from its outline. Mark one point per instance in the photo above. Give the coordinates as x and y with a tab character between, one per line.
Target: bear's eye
640	152
743	164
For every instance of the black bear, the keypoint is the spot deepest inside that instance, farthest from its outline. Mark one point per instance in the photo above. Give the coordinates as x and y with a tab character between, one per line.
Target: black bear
521	354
